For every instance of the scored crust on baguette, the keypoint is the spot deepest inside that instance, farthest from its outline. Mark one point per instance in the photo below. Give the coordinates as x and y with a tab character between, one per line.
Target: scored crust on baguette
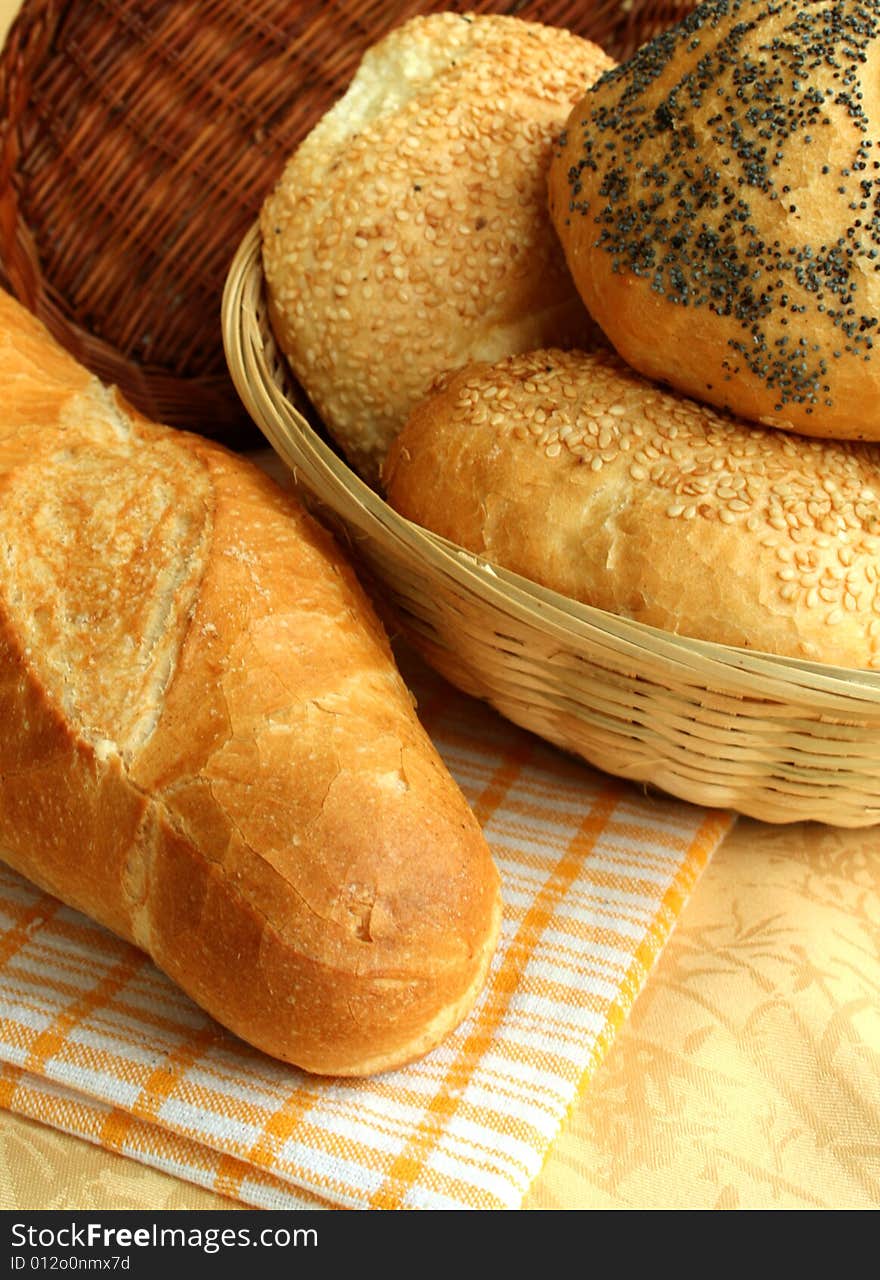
206	744
409	232
571	470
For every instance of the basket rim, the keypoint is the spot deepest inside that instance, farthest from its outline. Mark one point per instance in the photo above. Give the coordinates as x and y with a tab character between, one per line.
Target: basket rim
843	690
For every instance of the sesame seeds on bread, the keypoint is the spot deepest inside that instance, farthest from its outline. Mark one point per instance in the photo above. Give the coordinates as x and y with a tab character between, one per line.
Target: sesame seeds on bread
717	197
409	233
573	471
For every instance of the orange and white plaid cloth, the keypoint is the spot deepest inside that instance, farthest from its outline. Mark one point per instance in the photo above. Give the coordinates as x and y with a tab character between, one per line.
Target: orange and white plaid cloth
96	1041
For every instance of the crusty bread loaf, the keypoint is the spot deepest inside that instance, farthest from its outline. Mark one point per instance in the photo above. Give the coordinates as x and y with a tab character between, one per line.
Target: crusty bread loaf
206	745
409	233
717	199
571	470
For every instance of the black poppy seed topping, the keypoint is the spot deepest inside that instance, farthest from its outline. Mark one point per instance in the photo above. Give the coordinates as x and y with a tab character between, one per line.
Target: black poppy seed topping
680	188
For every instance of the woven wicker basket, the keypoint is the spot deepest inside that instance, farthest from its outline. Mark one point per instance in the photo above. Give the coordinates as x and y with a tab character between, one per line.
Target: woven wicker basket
138	139
778	739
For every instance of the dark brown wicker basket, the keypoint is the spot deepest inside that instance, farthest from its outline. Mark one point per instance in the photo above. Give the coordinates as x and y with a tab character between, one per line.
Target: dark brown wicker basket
137	141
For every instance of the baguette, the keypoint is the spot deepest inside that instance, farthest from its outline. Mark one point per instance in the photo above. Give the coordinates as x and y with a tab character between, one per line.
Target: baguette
206	745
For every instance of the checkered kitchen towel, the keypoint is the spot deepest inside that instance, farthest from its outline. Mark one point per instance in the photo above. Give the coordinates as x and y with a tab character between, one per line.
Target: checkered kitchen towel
95	1041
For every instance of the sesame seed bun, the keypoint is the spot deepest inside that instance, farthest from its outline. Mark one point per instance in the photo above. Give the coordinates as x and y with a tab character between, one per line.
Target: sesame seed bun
409	233
717	198
570	469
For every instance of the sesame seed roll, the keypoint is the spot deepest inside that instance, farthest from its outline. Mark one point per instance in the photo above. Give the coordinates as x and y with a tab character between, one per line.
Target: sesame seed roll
572	470
409	233
718	200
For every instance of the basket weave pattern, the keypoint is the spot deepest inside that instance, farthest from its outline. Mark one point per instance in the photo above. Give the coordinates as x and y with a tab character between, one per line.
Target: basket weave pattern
778	739
138	139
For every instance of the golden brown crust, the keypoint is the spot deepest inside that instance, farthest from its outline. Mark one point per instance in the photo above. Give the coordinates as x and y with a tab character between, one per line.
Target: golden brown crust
570	469
716	197
206	744
409	233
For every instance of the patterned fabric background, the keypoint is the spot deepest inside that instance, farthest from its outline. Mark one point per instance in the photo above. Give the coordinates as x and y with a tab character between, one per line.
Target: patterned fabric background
95	1041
